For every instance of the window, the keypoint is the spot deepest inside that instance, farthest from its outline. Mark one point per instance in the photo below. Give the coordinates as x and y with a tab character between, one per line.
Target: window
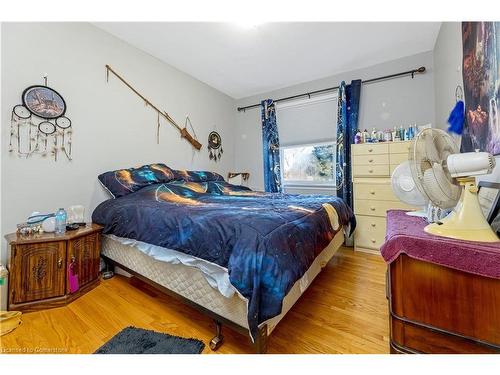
307	129
308	164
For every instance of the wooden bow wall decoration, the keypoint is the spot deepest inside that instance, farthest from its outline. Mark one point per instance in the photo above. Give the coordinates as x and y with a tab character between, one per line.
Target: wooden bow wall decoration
184	133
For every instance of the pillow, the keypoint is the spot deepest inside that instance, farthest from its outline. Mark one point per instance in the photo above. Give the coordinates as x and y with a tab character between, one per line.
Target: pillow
125	181
197	176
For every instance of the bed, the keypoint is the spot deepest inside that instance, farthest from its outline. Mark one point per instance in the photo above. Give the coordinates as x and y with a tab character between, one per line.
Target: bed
240	256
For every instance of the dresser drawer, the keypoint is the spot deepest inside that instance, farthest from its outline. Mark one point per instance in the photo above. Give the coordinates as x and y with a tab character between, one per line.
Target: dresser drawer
376	159
370	149
377	208
370	170
370	232
400	147
398	158
376	192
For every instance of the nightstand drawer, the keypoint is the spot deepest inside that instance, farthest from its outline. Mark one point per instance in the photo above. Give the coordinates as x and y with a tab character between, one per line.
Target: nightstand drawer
370	149
377	208
370	170
376	192
370	231
377	159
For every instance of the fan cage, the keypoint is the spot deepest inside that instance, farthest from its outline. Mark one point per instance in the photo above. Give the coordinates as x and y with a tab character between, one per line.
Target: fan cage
427	156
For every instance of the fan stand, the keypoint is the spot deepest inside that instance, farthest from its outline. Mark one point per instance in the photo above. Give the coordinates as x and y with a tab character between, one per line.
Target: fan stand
467	221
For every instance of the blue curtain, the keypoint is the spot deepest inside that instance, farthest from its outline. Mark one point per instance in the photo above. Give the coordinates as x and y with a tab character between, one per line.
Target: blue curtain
347	125
271	147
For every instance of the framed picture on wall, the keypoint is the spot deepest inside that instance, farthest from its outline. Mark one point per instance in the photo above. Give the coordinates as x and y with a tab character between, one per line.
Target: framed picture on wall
489	199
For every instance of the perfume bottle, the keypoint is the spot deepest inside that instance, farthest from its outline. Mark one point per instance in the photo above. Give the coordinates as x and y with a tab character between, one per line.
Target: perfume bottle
365	136
358	138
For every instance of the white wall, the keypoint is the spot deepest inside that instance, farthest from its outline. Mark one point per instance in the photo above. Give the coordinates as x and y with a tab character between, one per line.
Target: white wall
400	101
447	70
112	127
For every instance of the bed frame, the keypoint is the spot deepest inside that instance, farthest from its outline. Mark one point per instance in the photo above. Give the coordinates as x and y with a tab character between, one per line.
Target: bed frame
260	343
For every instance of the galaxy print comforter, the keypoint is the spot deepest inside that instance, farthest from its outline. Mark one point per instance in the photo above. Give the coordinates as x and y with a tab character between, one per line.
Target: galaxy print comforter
266	241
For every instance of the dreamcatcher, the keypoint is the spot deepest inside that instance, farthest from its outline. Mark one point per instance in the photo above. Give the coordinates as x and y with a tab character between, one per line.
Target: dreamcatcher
215	150
38	125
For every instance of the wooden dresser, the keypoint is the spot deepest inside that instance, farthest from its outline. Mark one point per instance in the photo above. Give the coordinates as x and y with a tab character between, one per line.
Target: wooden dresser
39	264
443	293
372	166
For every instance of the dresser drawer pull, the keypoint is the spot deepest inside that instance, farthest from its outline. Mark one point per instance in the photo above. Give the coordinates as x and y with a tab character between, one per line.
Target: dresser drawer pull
370	149
370	170
370	161
372	208
372	192
373	225
373	241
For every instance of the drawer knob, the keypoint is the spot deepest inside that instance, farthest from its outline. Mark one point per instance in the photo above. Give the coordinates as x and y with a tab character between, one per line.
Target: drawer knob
372	208
374	225
370	161
373	241
370	170
59	263
372	192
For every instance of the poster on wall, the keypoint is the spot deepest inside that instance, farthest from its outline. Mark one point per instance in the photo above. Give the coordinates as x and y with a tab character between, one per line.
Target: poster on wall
481	74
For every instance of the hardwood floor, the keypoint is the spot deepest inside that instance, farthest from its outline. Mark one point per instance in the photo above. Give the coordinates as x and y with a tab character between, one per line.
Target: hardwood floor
343	311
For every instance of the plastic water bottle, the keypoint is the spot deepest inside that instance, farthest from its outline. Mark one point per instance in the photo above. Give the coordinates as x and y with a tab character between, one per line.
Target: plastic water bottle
61	217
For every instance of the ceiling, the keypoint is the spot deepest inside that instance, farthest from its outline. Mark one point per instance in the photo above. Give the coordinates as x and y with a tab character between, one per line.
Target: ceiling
244	60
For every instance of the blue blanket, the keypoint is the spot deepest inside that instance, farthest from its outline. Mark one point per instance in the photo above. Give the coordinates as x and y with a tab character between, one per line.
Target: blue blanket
266	241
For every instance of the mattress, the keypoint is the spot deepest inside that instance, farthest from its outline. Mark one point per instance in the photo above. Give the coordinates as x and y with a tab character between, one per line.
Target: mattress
217	276
191	283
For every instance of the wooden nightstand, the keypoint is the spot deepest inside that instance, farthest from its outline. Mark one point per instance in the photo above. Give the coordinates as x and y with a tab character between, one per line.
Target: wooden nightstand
38	265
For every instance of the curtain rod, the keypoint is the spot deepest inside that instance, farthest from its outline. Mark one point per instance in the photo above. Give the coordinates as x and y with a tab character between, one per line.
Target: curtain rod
372	80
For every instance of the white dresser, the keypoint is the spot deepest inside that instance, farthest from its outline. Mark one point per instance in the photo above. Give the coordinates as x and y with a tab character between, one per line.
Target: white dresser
372	166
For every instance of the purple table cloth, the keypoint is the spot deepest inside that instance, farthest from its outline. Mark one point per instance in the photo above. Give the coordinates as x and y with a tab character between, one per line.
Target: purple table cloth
405	234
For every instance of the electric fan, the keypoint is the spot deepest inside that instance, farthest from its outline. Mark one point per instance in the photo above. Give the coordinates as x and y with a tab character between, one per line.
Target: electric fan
447	178
406	190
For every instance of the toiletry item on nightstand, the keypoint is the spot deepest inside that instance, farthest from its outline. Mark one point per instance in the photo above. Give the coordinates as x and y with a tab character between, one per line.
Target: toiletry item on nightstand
374	135
49	224
76	214
61	218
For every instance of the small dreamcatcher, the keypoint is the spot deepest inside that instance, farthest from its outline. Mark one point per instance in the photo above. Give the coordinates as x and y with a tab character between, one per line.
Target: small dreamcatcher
215	150
38	125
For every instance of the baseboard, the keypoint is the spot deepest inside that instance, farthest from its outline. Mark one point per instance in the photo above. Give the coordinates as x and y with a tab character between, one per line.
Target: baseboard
366	250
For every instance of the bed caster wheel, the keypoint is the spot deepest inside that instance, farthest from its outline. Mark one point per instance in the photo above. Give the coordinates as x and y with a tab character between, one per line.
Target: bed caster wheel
216	342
